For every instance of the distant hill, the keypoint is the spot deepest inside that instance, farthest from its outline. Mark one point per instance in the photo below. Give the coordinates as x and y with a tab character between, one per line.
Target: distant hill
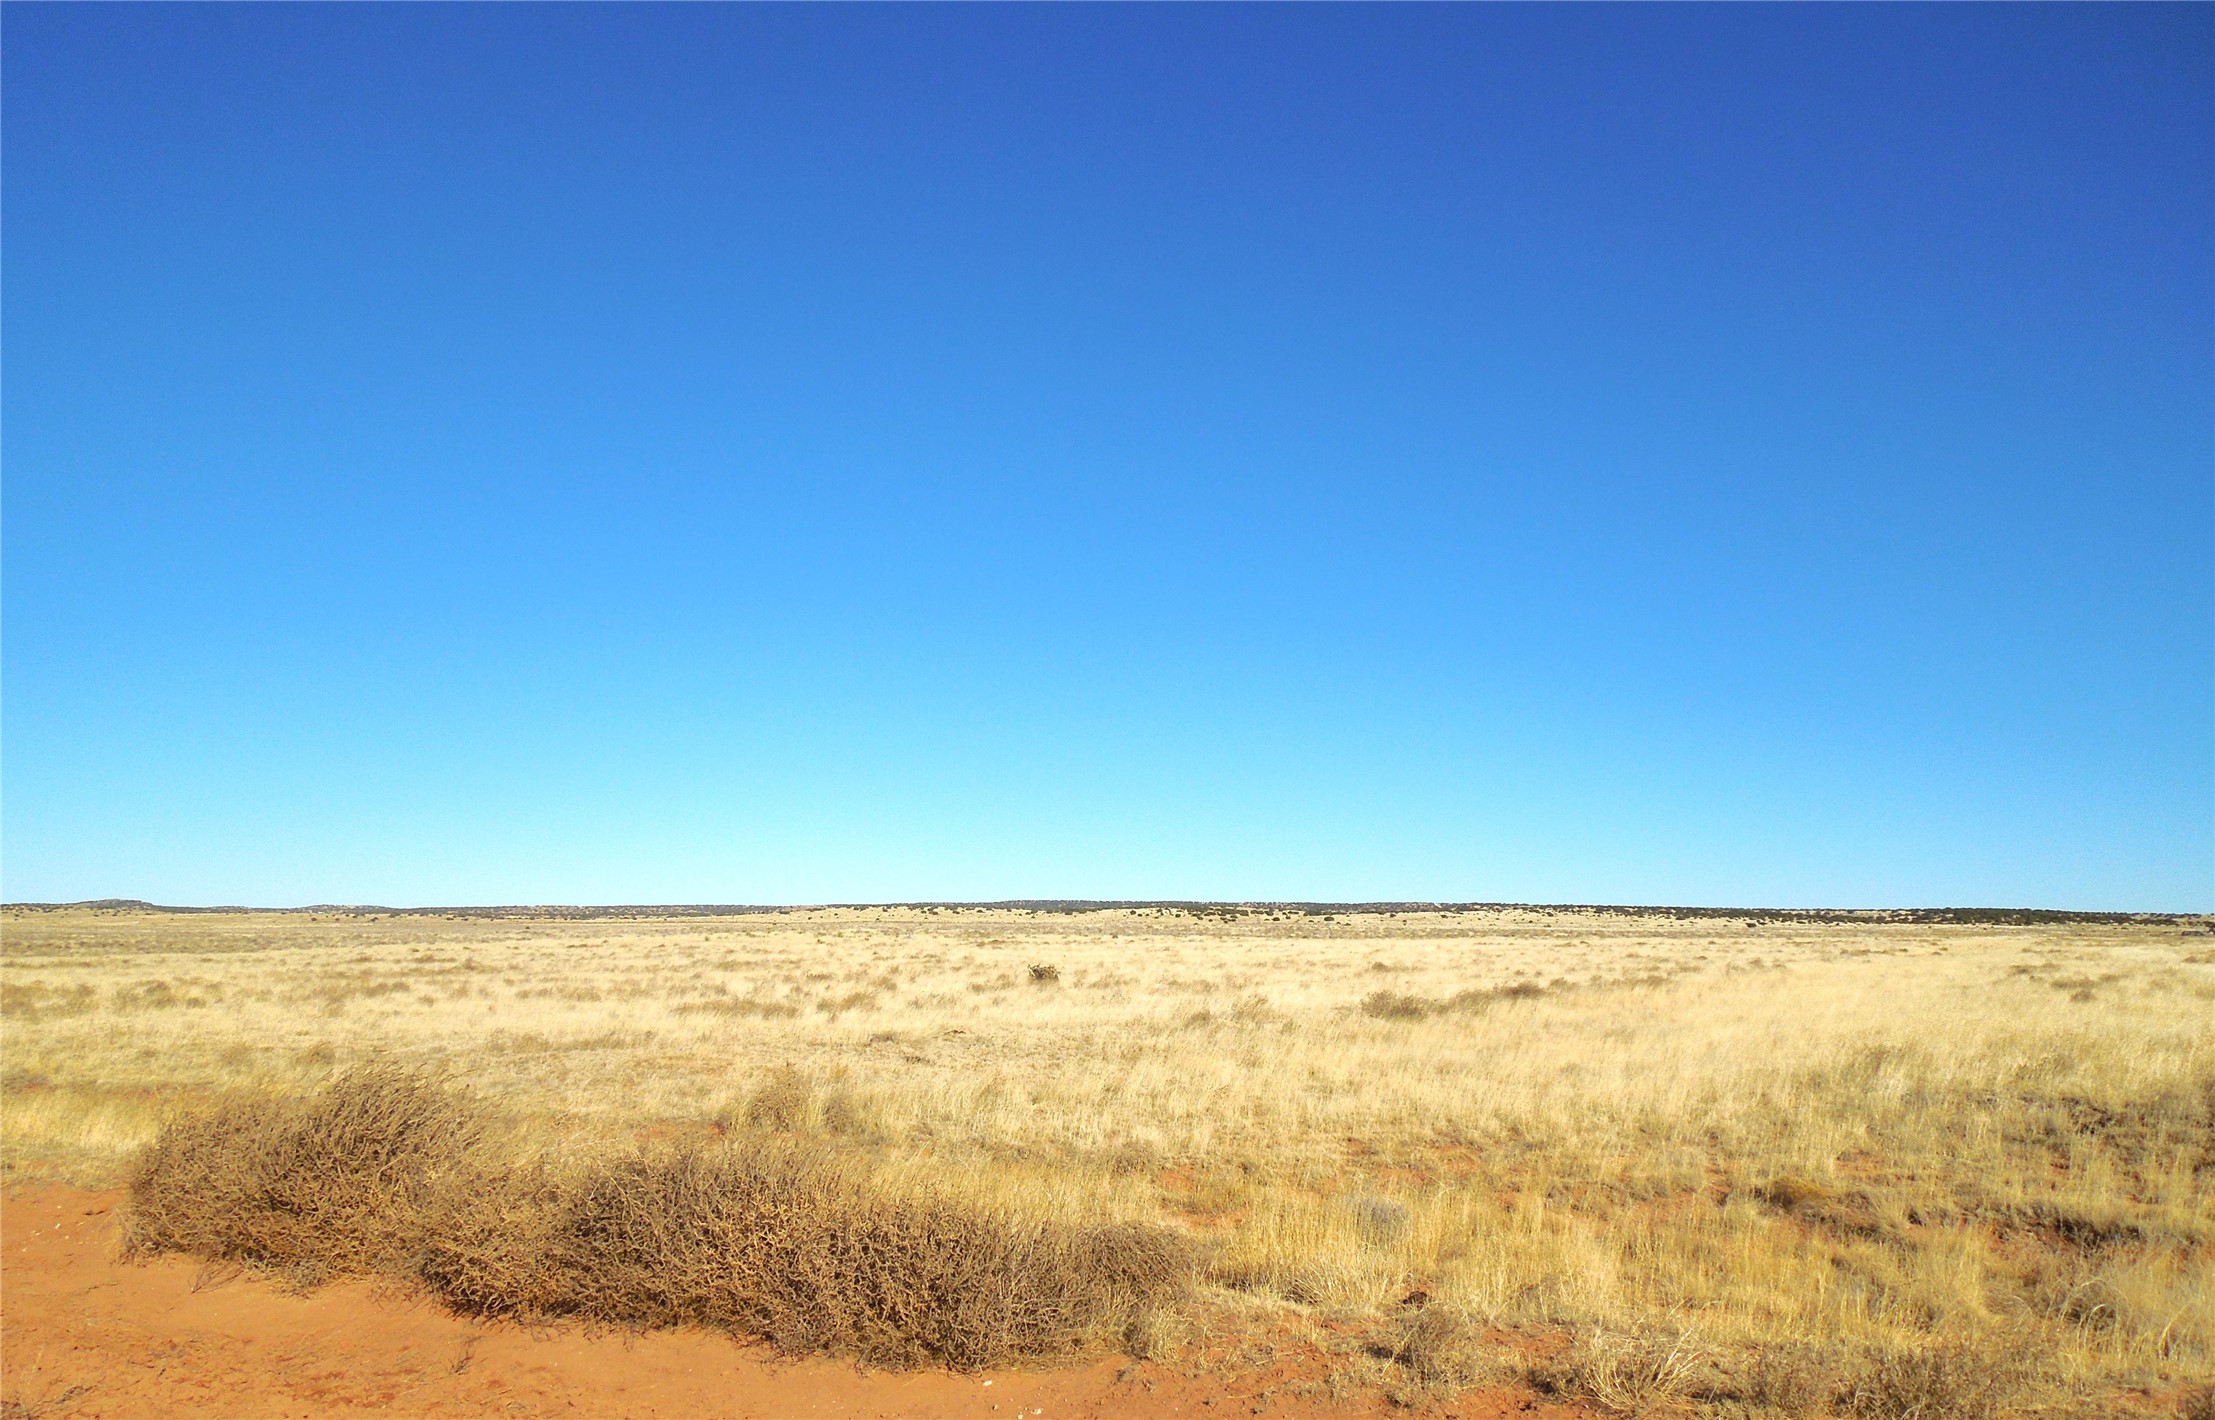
1979	916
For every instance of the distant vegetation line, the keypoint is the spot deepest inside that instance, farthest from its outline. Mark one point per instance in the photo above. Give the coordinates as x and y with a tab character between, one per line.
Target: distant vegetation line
1986	916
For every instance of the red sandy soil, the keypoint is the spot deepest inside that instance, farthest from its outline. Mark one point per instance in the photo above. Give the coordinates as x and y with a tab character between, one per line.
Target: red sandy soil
85	1335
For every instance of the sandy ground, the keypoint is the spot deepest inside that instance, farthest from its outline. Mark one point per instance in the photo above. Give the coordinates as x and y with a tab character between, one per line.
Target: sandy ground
84	1335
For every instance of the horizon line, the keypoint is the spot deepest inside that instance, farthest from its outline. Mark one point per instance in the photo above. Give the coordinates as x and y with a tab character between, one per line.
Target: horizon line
1991	916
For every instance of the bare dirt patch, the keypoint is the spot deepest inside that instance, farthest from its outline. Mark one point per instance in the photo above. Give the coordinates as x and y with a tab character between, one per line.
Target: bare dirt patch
87	1335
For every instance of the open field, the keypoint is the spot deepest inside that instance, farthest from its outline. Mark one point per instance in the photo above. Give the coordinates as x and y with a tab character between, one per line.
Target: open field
1786	1165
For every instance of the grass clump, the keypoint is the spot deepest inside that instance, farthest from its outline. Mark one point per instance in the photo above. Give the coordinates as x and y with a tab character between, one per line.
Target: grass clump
795	1102
381	1171
1627	1375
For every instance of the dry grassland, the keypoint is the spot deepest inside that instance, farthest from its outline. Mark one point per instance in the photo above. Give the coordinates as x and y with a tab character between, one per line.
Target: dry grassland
1824	1165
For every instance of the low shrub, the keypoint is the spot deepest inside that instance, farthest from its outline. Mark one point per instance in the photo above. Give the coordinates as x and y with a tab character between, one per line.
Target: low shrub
758	1236
1934	1382
782	1243
1394	1006
332	1184
1443	1350
1785	1381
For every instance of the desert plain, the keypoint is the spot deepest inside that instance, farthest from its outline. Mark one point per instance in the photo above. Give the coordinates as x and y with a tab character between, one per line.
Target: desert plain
1487	1160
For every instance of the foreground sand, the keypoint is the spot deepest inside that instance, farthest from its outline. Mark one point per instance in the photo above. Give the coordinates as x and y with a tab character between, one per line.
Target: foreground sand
88	1335
1849	1142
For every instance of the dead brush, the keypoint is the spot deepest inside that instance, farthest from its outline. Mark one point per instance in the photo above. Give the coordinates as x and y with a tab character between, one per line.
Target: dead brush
784	1243
1934	1382
789	1246
1443	1350
332	1184
1788	1381
380	1172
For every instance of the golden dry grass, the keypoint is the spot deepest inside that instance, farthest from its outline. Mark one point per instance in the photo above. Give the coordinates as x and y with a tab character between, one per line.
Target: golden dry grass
1752	1166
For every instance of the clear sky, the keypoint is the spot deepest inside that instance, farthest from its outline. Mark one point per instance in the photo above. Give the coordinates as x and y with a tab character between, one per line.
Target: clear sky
558	454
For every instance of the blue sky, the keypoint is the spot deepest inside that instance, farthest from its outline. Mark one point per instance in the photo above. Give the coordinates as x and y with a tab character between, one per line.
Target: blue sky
1696	455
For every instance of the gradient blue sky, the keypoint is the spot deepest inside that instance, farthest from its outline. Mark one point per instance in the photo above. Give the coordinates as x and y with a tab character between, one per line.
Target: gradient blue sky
1694	455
